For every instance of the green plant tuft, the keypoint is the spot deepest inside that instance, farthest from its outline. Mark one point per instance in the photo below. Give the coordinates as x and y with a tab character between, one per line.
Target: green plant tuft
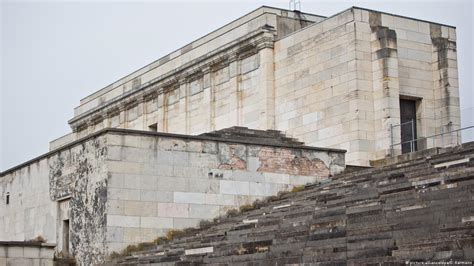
160	240
232	212
246	208
297	189
172	234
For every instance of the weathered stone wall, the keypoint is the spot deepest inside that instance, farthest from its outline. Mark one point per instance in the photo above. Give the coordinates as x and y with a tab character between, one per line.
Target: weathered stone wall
79	175
283	21
74	174
30	212
338	82
120	187
20	253
317	97
333	82
213	83
160	182
417	211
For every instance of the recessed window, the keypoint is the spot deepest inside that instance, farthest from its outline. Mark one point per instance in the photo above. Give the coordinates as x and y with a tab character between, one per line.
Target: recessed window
153	127
7	198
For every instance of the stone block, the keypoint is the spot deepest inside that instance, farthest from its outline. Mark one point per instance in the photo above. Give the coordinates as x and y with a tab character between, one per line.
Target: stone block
159	196
123	194
203	211
156	222
218	199
234	187
115	181
15	252
265	189
302	180
276	178
182	223
170	184
47	253
131	235
139	208
253	164
123	221
147	182
124	167
179	210
114	234
131	181
180	158
204	185
243	175
164	157
114	153
196	251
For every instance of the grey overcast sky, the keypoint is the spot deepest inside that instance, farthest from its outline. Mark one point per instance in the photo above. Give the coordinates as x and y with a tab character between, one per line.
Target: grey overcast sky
55	53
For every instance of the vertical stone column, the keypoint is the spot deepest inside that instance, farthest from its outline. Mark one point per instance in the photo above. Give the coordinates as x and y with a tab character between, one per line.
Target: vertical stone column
141	113
445	81
234	78
386	86
187	115
206	90
212	102
122	116
106	120
266	85
183	108
161	112
165	112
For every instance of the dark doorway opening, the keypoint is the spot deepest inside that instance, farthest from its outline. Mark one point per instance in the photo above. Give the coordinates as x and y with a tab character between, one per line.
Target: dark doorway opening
65	236
408	125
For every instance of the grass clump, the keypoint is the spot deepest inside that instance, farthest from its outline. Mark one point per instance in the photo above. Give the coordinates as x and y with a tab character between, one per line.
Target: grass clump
297	189
129	250
232	212
205	224
115	255
38	239
160	240
172	234
246	208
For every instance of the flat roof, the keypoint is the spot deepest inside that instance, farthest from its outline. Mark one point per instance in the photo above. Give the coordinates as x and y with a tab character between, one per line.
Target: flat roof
100	91
132	132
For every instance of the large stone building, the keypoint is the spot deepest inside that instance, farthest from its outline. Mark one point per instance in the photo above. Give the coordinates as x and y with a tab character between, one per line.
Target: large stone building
139	163
335	82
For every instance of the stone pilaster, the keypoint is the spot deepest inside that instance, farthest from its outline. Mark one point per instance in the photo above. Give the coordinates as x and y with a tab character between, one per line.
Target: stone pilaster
267	87
386	86
445	81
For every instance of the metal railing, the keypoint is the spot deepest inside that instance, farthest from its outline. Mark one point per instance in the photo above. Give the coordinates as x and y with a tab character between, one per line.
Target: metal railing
412	127
413	142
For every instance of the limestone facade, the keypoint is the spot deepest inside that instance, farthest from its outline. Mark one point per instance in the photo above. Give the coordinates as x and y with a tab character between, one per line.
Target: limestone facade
330	82
118	187
127	173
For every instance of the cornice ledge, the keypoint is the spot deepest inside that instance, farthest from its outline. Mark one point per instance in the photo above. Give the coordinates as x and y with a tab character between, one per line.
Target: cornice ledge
246	45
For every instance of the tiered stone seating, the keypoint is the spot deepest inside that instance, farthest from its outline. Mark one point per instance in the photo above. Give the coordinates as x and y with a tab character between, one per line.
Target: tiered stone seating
417	210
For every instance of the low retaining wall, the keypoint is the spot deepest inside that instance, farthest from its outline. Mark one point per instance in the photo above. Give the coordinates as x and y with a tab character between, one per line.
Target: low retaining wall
25	253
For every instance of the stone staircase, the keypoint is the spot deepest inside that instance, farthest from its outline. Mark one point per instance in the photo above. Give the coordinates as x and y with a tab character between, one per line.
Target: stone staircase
269	137
416	210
